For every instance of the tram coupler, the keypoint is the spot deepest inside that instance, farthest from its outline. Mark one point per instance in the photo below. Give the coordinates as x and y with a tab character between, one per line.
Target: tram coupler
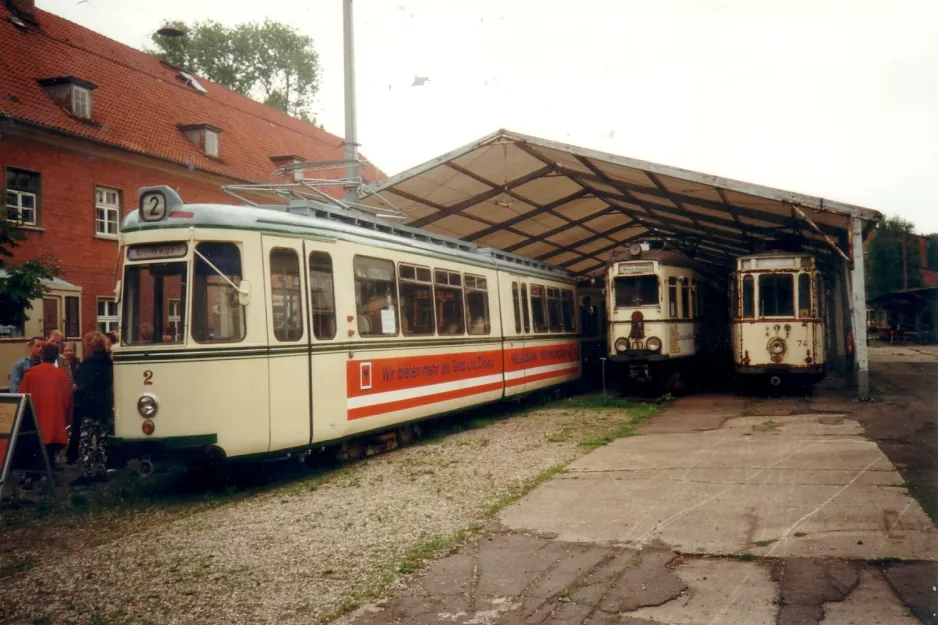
639	373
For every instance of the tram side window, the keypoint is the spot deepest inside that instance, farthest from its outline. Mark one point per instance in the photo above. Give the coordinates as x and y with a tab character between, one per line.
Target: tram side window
375	296
322	295
150	290
672	297
515	299
567	312
217	316
477	305
286	299
776	295
734	302
804	295
524	308
819	296
553	310
685	299
694	300
450	319
539	308
749	298
416	300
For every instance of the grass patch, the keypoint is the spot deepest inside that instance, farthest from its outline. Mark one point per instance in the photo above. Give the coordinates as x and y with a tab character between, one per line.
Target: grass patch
766	426
599	402
745	557
516	493
799	534
415	557
765	543
885	561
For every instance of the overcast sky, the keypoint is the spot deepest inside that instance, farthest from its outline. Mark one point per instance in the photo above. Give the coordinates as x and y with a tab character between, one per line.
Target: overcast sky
836	98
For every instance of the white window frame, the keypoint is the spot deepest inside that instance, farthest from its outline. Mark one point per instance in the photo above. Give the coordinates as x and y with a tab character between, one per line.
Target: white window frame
111	210
174	319
81	102
111	322
210	142
18	205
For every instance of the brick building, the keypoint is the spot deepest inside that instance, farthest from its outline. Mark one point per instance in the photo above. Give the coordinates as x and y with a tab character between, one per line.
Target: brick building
84	122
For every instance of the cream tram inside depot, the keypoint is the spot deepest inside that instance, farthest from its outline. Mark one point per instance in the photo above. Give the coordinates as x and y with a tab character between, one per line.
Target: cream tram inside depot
777	305
248	331
662	317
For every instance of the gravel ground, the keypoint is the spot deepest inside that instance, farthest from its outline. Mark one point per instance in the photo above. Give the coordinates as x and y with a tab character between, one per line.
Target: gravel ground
302	552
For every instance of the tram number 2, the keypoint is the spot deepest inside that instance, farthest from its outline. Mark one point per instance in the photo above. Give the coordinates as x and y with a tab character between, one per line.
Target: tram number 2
148	378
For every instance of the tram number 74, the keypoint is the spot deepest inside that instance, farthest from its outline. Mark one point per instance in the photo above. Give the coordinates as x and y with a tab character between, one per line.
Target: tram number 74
802	343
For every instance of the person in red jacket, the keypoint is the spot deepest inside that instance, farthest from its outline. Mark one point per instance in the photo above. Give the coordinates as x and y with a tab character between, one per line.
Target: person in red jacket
51	392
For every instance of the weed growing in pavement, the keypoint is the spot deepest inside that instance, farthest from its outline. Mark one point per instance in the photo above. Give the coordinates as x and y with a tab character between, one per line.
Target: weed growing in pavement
765	543
745	557
885	561
517	492
766	426
799	534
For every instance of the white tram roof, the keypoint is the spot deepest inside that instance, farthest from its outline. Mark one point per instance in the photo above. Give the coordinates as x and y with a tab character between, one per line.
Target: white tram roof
572	206
310	218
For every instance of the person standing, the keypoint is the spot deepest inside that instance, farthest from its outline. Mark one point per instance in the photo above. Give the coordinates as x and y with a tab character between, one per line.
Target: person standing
33	358
96	404
74	434
51	392
58	339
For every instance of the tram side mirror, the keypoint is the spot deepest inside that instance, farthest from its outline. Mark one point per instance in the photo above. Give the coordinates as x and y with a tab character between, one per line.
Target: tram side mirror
117	292
244	293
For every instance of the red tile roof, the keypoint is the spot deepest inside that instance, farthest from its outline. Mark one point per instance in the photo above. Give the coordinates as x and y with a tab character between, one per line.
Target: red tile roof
140	102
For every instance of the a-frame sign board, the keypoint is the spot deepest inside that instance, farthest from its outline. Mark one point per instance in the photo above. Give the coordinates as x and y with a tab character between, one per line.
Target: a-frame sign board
21	446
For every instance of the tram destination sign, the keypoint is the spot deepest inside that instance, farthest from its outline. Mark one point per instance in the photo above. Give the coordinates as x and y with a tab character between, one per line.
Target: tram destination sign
150	251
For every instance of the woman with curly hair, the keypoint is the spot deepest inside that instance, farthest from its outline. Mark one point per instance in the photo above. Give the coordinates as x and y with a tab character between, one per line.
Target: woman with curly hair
95	403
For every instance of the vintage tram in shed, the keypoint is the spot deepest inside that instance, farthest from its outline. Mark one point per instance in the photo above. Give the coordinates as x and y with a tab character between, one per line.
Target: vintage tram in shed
777	307
259	331
666	319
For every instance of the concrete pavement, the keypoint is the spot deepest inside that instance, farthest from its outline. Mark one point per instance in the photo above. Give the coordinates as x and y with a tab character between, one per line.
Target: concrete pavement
724	511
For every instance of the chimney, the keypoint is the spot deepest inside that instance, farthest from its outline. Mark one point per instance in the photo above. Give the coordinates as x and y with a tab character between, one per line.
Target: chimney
923	251
23	9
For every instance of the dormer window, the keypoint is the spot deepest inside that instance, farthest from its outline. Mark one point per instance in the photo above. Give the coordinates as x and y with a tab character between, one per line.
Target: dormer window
72	94
203	136
290	159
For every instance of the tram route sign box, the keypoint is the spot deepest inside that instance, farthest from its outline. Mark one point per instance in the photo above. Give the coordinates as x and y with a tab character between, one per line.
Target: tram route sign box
21	445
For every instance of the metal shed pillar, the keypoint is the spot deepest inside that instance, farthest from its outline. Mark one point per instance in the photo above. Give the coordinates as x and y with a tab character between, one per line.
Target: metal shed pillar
858	295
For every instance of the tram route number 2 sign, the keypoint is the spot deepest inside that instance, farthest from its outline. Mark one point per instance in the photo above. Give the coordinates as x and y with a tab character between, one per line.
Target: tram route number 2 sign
21	446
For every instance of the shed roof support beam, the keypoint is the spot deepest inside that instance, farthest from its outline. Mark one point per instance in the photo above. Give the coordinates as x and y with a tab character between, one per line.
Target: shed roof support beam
519	218
823	234
858	297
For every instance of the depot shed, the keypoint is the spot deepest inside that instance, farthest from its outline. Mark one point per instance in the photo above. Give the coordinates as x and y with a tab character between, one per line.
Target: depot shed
573	207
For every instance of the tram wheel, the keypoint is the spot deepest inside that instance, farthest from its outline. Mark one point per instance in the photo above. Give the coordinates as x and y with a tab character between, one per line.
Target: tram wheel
405	435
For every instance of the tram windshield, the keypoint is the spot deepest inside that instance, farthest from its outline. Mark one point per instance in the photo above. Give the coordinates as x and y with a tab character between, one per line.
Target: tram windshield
632	291
154	303
777	295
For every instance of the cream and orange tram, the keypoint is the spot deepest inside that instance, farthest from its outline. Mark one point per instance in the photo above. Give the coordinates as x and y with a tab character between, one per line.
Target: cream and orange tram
662	318
250	331
777	304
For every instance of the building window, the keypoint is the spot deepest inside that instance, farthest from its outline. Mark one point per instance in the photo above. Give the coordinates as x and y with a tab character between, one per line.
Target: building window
203	136
107	315
22	196
211	143
107	205
81	102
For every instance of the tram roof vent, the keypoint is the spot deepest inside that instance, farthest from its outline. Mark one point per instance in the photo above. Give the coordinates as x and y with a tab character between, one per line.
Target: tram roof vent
514	259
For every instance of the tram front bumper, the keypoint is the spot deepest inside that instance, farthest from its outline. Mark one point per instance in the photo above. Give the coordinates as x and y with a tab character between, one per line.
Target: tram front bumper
816	370
179	446
639	357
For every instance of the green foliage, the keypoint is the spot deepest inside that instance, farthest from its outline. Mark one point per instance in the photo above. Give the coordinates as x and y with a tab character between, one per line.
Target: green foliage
270	62
884	262
21	282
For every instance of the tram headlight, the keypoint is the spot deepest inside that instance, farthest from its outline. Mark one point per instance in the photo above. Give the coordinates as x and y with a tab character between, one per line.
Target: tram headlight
653	343
147	406
622	345
776	346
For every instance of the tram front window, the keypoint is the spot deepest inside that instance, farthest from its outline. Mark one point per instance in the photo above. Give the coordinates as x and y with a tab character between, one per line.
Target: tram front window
635	291
777	295
154	304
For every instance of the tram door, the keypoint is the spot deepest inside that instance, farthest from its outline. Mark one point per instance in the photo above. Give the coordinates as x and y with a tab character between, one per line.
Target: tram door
288	337
516	337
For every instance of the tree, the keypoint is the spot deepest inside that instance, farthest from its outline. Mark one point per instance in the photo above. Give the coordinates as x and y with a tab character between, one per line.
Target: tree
884	262
270	62
20	283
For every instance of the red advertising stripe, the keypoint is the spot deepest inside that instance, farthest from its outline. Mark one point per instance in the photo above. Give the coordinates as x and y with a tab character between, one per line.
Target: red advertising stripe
543	376
541	356
366	377
413	402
